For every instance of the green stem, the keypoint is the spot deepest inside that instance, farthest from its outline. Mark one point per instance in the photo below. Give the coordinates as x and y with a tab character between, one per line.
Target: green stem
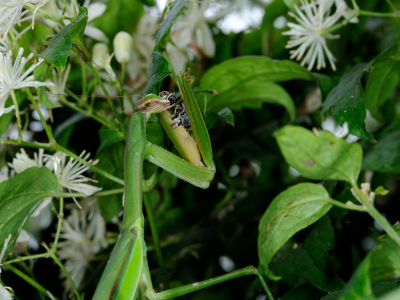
222	203
83	68
46	14
73	2
100	82
121	87
169	61
346	206
376	215
23	258
189	288
31	282
156	239
60	217
99	194
94	168
377	14
37	145
14	99
206	91
45	125
59	263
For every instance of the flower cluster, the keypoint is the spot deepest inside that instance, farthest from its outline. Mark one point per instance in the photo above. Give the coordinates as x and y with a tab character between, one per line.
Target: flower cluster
12	76
309	34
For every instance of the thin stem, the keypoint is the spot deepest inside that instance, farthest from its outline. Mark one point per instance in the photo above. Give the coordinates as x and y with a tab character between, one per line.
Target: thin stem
156	239
60	217
94	168
84	82
169	61
121	87
23	258
31	282
377	14
346	206
99	194
58	262
100	82
45	125
376	215
222	203
37	145
46	14
73	2
189	288
14	99
206	91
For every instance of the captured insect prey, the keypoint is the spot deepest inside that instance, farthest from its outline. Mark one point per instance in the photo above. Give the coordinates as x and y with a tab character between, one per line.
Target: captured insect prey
181	117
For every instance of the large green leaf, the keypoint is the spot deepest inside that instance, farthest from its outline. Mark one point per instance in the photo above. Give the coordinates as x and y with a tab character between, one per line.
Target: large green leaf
233	75
169	20
58	51
159	69
385	259
359	286
253	93
384	156
310	261
382	80
292	210
347	101
20	195
303	292
319	157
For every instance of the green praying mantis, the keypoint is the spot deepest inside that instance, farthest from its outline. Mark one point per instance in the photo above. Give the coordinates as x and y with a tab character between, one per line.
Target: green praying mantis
127	274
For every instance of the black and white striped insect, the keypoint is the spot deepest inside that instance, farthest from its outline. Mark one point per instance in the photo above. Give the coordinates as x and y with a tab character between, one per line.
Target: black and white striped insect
180	116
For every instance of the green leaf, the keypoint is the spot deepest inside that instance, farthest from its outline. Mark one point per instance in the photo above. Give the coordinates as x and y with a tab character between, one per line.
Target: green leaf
44	100
290	3
385	259
393	295
241	75
72	34
292	210
319	157
303	292
109	137
325	84
310	262
111	159
382	80
20	195
169	20
347	101
252	93
159	69
227	115
359	286
384	156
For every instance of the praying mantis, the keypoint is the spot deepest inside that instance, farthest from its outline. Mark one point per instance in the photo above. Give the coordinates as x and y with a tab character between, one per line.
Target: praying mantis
127	274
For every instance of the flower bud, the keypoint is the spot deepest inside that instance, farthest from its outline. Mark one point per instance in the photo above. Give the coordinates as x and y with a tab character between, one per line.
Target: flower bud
100	52
122	46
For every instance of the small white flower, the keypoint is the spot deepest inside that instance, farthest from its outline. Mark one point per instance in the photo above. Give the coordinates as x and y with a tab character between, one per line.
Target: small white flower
11	76
11	14
69	174
122	47
4	174
308	35
82	237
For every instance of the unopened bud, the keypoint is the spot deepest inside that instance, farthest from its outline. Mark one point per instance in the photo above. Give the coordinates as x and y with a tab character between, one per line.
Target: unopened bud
100	51
122	46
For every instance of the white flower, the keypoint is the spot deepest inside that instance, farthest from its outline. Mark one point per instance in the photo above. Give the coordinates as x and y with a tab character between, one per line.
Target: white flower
69	174
4	174
11	76
190	32
332	126
122	46
309	34
83	234
11	14
4	294
100	50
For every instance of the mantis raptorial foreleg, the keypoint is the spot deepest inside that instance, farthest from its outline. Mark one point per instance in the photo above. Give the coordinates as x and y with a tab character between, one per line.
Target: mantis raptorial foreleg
127	271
